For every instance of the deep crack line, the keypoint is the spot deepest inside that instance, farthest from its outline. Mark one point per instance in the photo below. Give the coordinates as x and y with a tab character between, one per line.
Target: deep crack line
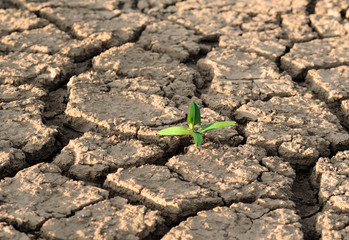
310	8
306	200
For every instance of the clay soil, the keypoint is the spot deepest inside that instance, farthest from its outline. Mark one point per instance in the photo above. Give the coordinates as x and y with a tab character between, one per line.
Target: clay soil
86	84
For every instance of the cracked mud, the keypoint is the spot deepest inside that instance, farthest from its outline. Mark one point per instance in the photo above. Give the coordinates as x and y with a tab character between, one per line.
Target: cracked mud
86	84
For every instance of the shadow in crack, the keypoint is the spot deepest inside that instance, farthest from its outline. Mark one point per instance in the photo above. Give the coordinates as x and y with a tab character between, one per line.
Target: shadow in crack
54	115
307	204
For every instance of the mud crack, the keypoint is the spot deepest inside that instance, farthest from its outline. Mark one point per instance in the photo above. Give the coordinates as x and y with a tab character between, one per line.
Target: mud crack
306	198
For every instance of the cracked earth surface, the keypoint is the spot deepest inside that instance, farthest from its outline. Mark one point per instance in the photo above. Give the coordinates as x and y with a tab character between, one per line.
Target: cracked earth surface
86	84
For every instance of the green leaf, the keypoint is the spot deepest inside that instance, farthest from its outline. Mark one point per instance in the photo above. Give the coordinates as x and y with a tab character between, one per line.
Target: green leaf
215	125
174	131
194	117
197	138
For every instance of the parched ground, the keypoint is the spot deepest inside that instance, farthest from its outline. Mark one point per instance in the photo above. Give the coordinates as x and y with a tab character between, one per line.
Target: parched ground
86	84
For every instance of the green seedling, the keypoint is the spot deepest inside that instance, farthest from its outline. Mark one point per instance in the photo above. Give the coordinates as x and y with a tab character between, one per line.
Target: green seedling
194	119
